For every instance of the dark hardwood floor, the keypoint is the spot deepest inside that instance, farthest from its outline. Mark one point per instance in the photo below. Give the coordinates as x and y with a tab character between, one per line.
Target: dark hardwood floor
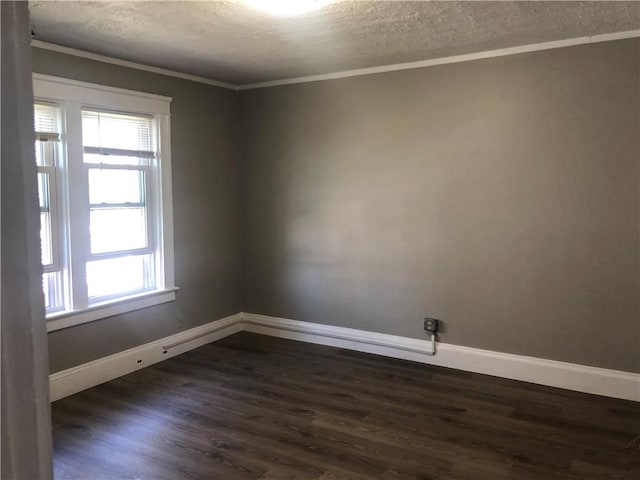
256	407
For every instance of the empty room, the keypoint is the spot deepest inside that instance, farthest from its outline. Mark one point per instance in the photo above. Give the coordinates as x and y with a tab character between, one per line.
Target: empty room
320	240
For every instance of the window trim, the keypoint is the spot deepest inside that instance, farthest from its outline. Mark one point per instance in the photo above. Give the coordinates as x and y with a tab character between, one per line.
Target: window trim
138	301
101	97
73	95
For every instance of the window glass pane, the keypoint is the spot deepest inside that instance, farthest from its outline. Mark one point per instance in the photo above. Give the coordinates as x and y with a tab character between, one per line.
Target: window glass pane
116	229
53	291
46	153
43	190
117	275
46	234
90	129
39	156
114	159
116	186
45	238
100	129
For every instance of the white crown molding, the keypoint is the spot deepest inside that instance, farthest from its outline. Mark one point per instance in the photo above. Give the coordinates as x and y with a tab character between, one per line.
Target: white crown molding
581	378
570	42
125	63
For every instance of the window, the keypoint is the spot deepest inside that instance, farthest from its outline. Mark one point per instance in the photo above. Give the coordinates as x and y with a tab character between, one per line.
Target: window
104	183
47	126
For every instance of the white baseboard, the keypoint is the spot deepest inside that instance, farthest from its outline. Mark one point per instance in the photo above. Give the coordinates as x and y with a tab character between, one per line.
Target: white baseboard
581	378
87	375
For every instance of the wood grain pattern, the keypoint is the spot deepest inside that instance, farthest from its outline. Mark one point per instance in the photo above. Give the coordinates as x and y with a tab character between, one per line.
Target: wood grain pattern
262	408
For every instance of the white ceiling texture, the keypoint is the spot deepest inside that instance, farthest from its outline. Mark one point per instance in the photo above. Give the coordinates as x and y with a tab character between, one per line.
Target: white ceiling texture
232	42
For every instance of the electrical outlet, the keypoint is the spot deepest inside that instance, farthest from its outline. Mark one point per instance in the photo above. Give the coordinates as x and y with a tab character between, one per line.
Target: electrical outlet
431	325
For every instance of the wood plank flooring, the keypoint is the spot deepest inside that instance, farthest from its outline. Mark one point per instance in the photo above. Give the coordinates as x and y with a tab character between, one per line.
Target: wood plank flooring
256	407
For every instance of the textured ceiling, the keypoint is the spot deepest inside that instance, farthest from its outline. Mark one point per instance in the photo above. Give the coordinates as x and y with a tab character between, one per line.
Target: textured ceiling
230	42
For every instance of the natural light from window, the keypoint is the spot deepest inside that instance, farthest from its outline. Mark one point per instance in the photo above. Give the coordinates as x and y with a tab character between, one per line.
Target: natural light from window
104	187
286	7
117	149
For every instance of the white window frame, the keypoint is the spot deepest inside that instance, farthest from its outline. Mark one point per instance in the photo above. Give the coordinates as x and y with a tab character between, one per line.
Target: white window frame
72	97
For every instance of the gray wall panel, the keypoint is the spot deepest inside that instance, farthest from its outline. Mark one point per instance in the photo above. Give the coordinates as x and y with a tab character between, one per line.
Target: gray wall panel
500	195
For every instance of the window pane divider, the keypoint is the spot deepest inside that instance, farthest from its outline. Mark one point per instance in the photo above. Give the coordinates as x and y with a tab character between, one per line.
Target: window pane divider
120	253
104	205
48	136
115	166
48	169
119	152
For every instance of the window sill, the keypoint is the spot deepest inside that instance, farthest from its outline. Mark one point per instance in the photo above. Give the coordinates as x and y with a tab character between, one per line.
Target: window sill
60	320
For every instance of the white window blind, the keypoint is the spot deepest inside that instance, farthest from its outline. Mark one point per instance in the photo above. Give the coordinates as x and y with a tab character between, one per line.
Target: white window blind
46	119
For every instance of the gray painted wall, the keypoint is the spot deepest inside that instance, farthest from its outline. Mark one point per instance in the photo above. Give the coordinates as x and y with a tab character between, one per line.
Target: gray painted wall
207	199
501	196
